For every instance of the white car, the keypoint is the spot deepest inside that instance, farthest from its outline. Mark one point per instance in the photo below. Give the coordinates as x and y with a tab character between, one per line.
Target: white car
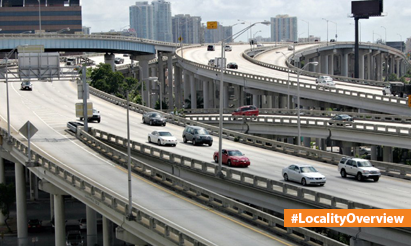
325	81
211	62
304	174
360	168
162	137
228	48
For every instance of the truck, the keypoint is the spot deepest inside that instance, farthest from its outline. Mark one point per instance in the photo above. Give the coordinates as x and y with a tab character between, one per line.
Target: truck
396	88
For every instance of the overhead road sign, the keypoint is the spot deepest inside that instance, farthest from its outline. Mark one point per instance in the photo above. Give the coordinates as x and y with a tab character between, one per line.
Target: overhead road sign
212	24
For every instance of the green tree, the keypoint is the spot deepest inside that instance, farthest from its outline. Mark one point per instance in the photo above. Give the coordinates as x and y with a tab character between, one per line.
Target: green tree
7	198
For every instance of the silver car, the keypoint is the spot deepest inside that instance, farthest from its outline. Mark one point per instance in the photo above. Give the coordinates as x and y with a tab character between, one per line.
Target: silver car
304	174
162	138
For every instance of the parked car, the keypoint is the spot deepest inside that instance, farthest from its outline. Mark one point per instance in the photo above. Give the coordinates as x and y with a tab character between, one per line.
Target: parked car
304	174
162	138
260	45
154	118
118	60
74	237
82	223
360	168
26	85
197	135
95	117
232	65
210	48
34	225
72	125
341	120
249	110
227	48
325	82
211	62
232	158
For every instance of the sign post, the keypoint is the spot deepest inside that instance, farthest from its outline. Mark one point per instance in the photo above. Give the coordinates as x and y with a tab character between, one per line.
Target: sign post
28	130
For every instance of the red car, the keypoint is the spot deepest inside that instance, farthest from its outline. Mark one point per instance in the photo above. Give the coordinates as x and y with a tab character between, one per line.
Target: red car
232	158
249	110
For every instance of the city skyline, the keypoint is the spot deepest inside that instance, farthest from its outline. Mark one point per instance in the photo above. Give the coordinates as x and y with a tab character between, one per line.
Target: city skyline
229	12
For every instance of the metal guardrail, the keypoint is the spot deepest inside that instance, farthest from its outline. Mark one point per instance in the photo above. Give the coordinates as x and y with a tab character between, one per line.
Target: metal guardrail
389	169
312	113
112	200
250	214
355	95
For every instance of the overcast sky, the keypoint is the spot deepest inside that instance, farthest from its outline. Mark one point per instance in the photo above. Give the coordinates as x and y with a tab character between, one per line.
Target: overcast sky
104	15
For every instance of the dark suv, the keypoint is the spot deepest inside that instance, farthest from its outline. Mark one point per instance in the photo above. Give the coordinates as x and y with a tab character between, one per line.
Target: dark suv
197	135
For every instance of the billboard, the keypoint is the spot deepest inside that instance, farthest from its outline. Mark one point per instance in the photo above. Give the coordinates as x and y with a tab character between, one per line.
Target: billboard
367	8
39	65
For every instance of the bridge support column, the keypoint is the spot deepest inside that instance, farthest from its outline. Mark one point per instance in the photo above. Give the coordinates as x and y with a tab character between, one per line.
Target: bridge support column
91	221
2	181
144	73
238	96
321	144
331	64
373	152
193	92
361	65
346	150
177	81
186	91
290	140
170	80
387	154
206	93
107	232
369	56
324	64
307	142
398	67
59	220
211	94
109	59
21	210
359	242
345	64
226	95
34	191
379	67
256	100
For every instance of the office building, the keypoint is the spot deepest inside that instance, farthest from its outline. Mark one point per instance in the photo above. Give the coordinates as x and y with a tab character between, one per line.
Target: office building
162	21
142	19
216	35
188	28
17	16
284	28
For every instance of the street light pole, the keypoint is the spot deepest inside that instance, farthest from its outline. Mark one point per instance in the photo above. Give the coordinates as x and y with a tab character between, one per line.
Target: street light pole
336	30
385	29
298	101
327	28
308	37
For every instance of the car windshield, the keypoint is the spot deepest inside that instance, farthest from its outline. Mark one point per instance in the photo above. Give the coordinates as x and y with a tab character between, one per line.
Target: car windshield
72	237
165	134
235	153
364	163
155	115
308	170
26	82
201	132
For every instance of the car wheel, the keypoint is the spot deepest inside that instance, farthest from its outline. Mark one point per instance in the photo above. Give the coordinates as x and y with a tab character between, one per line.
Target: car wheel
149	139
229	163
143	120
303	182
321	184
215	159
184	139
376	179
210	144
98	121
164	124
194	141
359	177
151	122
81	118
159	142
343	173
285	177
383	93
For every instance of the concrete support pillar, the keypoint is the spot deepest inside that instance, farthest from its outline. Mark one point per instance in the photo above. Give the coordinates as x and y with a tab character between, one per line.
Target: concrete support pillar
186	86
2	181
21	210
346	150
51	206
211	94
387	154
331	64
372	67
91	221
107	232
379	67
325	64
109	59
290	140
373	152
193	92
321	144
270	100
345	64
398	67
161	79
256	100
177	81
34	191
59	220
206	96
369	56
361	65
226	95
238	95
307	142
170	84
144	74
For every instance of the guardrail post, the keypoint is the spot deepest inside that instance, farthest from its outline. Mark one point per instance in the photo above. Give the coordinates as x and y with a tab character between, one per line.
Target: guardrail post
300	193
333	202
317	197
180	238
351	205
152	223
